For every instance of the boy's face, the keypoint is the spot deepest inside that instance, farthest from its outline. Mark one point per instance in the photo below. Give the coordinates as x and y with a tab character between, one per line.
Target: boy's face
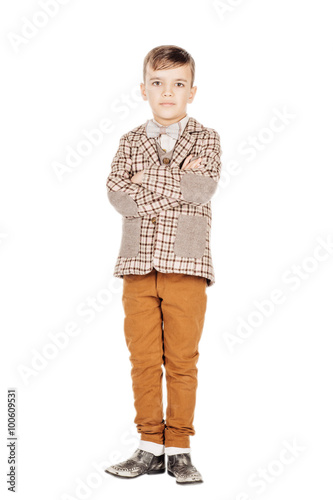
168	86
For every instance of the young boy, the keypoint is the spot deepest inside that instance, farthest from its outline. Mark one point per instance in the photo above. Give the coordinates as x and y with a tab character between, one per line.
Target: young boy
162	179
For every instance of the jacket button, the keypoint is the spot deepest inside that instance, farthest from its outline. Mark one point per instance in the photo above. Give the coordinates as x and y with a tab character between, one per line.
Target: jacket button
166	160
154	220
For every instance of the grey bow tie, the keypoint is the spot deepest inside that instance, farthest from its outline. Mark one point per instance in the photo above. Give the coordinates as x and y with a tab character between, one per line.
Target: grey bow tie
154	130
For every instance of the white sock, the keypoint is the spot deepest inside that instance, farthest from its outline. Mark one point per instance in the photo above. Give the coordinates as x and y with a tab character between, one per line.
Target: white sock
155	448
172	450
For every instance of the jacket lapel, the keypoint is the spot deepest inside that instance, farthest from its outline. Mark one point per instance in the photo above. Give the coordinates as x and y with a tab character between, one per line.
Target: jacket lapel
183	146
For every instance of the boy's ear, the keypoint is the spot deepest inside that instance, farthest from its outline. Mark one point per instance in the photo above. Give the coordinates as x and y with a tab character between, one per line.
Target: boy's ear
192	93
143	91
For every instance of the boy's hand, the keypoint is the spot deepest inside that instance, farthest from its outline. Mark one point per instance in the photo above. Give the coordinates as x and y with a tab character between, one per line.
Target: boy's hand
137	178
192	164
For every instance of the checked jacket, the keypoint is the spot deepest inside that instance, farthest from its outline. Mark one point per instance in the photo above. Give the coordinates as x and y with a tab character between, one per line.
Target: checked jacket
167	219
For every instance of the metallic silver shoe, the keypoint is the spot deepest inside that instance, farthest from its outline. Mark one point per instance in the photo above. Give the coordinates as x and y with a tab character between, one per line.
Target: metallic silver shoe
180	467
141	462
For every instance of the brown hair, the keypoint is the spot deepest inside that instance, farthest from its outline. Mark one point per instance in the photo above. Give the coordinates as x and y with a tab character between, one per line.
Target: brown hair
166	57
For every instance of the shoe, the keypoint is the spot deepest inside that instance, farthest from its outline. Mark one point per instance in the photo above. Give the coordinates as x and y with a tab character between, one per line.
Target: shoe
180	467
141	462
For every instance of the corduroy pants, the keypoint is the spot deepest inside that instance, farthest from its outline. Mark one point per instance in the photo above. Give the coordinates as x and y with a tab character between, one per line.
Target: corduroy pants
163	323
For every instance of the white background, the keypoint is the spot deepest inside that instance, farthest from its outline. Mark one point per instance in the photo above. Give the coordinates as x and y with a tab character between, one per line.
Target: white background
60	239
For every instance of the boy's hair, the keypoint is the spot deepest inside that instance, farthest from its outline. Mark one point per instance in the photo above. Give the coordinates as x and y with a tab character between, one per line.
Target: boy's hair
166	57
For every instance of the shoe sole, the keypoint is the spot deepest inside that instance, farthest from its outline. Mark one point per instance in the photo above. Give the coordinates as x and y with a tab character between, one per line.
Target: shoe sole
185	482
133	477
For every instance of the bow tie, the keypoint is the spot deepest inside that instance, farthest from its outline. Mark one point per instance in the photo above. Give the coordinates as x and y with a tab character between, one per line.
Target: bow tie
154	130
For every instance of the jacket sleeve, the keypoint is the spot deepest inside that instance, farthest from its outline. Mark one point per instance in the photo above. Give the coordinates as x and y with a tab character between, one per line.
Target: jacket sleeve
129	198
194	185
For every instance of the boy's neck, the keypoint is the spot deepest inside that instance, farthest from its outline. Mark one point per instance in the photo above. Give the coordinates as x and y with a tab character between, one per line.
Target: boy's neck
166	122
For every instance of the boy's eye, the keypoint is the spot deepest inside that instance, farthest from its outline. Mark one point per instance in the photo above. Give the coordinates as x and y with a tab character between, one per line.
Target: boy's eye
178	83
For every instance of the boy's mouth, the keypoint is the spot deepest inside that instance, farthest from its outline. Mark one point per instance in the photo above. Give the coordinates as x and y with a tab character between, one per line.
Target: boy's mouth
167	103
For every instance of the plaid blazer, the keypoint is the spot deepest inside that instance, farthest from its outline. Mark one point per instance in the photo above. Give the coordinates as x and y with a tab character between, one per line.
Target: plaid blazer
166	220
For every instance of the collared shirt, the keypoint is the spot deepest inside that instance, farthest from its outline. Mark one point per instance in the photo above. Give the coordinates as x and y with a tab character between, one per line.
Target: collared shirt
166	142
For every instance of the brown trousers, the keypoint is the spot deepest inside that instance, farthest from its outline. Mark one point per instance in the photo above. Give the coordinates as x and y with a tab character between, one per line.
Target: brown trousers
164	318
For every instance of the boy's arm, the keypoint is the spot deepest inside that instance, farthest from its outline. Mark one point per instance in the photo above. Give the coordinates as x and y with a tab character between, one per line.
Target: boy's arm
129	198
195	186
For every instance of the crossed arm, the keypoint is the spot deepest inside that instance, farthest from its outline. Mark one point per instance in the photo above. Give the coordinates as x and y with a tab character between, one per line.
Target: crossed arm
162	187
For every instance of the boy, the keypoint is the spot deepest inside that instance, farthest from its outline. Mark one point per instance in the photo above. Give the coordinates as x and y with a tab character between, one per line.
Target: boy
162	179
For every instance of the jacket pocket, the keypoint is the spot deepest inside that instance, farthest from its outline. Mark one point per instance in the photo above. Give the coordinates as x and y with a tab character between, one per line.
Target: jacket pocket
130	241
191	234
